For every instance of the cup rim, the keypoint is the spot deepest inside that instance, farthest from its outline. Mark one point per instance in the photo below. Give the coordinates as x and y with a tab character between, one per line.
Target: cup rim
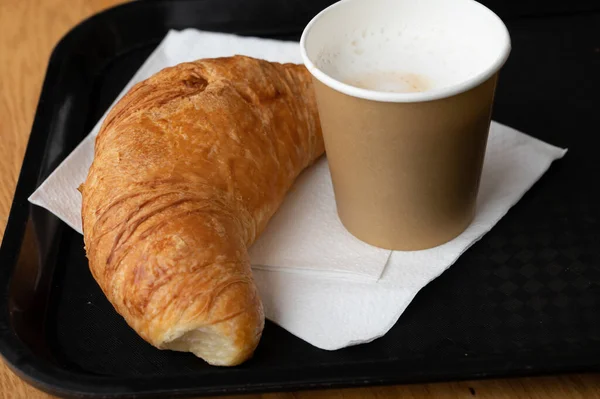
428	95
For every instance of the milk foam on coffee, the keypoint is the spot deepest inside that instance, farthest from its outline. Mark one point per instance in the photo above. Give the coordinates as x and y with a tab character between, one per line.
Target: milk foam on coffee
389	81
409	47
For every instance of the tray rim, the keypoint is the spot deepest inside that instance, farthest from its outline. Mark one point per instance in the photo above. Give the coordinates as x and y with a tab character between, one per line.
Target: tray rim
55	380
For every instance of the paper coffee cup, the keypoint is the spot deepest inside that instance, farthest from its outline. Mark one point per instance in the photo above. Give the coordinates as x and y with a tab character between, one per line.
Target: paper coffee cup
405	91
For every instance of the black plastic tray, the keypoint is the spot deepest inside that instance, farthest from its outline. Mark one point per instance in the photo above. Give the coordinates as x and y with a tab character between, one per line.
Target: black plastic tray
524	300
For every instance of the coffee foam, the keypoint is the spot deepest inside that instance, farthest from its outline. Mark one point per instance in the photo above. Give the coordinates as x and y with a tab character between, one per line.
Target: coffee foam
388	59
429	39
390	81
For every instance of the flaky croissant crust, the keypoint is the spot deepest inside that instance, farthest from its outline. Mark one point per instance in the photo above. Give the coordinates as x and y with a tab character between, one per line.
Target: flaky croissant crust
188	168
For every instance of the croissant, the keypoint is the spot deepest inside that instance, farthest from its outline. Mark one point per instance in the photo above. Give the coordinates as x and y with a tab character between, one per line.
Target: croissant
188	168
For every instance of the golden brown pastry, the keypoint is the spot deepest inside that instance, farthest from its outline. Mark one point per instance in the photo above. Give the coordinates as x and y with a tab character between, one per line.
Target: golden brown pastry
188	169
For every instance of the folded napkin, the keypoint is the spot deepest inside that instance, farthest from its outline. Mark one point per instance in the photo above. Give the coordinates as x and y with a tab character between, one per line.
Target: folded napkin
316	280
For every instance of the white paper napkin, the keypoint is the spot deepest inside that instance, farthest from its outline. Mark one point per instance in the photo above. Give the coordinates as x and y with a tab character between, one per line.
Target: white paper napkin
331	300
305	235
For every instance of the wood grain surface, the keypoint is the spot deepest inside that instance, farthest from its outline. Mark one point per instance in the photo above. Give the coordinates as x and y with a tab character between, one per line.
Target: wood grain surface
29	29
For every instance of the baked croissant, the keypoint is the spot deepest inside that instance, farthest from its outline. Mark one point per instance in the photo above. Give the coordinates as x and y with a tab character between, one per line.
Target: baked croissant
188	169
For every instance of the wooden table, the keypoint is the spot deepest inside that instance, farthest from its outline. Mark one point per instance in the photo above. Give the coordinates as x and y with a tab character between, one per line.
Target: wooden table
29	29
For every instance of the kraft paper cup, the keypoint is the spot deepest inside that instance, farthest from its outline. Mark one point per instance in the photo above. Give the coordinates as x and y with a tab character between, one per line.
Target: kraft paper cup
405	91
